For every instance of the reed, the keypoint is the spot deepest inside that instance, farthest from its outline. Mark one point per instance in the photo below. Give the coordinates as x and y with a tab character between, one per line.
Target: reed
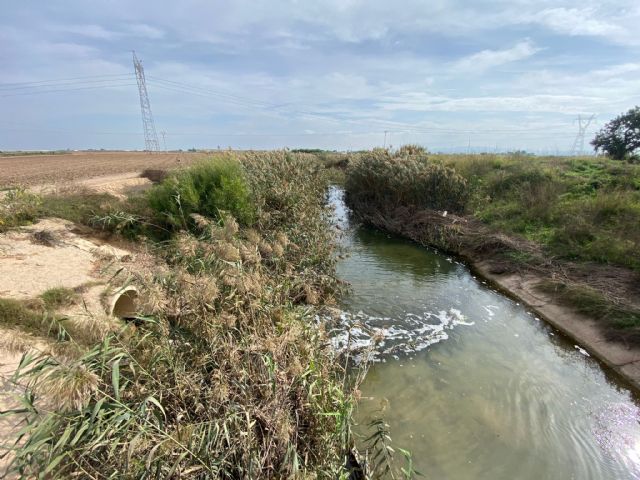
225	373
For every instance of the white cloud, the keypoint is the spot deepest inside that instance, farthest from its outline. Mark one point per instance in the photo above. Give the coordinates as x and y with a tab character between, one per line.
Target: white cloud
353	64
487	59
562	104
145	31
575	21
91	31
615	24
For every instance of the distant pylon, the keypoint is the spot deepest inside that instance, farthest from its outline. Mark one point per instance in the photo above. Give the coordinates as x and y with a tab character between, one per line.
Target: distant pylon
150	136
578	143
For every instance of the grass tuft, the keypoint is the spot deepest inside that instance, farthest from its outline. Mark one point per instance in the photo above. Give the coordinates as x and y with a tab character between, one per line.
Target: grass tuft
594	304
58	297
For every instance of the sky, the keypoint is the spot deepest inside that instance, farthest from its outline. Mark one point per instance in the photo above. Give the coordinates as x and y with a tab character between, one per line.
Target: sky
451	75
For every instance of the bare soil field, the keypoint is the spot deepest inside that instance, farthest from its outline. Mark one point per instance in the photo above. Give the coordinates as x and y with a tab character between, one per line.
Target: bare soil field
30	170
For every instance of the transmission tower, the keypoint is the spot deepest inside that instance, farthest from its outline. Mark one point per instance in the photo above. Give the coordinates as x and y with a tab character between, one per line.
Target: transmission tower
150	136
578	143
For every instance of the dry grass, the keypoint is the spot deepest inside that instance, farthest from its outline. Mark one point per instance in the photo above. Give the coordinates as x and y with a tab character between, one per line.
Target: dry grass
227	376
404	178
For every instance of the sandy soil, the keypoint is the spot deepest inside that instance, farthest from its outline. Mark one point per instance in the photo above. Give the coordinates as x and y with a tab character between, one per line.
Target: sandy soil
60	169
9	393
28	268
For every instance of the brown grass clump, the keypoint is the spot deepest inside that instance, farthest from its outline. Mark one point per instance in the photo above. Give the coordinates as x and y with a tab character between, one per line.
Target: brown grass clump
90	330
230	226
252	236
250	255
14	340
282	239
277	250
407	177
227	252
266	250
67	387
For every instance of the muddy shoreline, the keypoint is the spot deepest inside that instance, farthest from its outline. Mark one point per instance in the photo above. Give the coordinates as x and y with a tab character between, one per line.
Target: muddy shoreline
432	229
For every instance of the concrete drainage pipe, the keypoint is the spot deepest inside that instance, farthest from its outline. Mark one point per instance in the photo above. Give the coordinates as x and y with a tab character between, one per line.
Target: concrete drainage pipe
124	303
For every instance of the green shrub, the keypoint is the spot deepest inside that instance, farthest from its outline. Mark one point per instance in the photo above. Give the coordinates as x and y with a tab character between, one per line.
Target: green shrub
405	178
604	227
18	207
208	188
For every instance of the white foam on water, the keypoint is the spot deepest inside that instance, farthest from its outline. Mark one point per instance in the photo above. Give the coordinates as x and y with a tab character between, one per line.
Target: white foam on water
380	337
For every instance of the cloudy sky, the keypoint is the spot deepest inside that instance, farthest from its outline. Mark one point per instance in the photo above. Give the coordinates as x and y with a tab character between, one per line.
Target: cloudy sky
448	74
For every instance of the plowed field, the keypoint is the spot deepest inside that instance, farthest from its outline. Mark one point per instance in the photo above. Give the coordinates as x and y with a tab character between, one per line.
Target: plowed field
32	170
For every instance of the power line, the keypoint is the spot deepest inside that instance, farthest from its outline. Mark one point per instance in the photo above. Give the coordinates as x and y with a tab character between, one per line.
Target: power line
64	84
81	83
215	93
387	125
16	84
182	87
38	92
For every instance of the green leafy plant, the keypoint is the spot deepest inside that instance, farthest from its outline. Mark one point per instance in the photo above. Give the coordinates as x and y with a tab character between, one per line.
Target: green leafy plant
209	188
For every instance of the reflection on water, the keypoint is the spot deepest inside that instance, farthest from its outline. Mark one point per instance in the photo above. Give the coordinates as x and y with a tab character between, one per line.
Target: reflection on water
469	381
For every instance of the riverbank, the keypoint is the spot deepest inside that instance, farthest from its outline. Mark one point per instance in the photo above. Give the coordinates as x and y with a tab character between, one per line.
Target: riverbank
458	236
221	369
560	234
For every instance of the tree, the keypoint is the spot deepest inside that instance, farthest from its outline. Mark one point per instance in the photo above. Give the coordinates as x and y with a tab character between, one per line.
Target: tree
620	138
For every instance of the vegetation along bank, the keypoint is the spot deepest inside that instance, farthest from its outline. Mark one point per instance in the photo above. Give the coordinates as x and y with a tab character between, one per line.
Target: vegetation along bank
561	234
223	373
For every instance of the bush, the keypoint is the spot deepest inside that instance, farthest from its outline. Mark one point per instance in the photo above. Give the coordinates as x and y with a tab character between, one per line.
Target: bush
405	178
18	207
209	188
155	175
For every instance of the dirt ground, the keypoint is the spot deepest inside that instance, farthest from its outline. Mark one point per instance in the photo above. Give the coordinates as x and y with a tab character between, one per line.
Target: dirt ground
28	267
29	170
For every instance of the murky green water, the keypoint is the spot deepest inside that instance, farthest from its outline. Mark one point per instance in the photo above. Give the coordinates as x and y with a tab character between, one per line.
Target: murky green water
470	382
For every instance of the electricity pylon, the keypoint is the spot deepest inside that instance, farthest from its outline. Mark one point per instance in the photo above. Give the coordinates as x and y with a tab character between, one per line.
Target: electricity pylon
578	143
150	136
